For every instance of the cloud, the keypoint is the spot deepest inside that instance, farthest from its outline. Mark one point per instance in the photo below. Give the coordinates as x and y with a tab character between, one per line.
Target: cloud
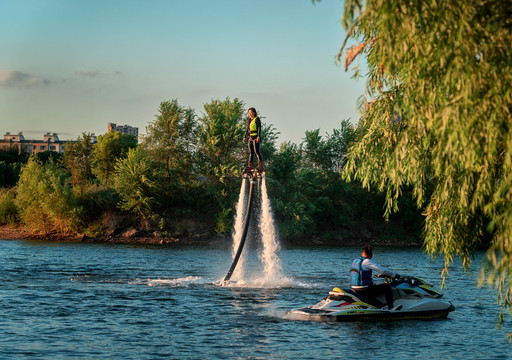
17	78
90	73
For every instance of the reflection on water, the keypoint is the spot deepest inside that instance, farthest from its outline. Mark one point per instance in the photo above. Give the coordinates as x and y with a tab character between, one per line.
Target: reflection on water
76	301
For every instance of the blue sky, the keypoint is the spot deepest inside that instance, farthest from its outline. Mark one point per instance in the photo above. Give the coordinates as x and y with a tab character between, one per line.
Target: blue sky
72	66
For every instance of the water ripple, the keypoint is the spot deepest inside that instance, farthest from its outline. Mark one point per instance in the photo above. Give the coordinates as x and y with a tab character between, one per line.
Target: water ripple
94	301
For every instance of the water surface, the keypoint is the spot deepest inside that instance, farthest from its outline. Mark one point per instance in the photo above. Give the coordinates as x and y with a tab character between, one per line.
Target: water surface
97	301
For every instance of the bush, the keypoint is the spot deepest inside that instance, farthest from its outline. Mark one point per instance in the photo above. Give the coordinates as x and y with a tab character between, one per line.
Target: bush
97	199
224	221
136	181
45	199
8	211
9	173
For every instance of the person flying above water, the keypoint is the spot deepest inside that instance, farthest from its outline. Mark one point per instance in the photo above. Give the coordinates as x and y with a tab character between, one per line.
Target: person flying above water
253	138
361	277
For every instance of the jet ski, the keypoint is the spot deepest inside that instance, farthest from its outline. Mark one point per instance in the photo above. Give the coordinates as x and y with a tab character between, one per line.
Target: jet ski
413	298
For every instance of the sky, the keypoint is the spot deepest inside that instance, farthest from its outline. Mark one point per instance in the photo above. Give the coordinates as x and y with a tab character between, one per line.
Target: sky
72	66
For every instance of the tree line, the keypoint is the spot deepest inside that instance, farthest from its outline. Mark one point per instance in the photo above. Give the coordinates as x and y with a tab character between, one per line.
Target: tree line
189	166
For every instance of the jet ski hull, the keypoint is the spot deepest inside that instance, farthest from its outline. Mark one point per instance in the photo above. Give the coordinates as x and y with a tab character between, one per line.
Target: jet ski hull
370	315
413	299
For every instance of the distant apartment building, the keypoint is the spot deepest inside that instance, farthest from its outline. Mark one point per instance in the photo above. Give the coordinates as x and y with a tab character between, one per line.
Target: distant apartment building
124	129
50	142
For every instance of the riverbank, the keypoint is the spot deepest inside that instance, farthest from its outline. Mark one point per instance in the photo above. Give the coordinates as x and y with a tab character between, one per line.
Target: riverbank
131	236
341	237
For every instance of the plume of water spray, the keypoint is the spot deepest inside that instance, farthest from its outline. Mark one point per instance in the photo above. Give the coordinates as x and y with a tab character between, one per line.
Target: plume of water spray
237	235
272	271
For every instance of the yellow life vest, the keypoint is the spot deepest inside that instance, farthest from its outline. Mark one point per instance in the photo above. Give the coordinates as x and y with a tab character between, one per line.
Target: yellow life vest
253	127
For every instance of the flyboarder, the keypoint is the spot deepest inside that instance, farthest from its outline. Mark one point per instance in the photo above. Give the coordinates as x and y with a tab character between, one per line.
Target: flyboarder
253	138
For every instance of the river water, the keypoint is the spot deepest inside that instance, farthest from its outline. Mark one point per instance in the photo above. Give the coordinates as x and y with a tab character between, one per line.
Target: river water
99	301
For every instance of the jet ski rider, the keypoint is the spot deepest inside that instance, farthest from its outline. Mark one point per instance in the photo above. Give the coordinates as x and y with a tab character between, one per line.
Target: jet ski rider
361	277
252	135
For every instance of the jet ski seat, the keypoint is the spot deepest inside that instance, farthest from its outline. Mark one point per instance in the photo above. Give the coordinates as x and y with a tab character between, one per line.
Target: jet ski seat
367	299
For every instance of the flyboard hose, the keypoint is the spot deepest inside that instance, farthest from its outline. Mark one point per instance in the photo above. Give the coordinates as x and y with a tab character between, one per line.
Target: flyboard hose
244	235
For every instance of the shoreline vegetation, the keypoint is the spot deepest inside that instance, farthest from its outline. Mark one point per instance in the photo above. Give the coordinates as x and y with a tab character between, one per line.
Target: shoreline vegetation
124	229
180	184
135	237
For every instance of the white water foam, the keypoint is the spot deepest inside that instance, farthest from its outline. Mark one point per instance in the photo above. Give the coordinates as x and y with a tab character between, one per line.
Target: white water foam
237	234
184	281
259	282
175	282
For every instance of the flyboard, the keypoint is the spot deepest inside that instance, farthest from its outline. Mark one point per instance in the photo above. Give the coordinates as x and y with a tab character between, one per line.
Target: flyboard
250	174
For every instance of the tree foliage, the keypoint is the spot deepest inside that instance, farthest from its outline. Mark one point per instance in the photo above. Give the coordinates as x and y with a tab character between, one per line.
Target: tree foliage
45	199
221	154
45	156
136	182
12	155
306	186
328	154
269	135
109	148
220	139
9	173
77	160
188	167
171	141
339	142
8	210
440	82
288	202
316	151
11	162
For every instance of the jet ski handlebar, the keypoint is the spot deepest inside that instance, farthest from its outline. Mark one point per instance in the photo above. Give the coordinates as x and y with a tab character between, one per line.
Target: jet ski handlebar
387	277
408	279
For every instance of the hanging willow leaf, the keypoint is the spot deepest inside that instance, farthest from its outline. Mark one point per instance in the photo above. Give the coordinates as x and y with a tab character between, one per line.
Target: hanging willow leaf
440	123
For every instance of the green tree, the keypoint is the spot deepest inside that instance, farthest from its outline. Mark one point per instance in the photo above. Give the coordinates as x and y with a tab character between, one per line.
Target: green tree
136	181
339	142
11	162
171	142
9	155
109	148
317	153
306	196
45	156
440	78
221	154
288	200
9	173
328	154
8	210
268	146
77	160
